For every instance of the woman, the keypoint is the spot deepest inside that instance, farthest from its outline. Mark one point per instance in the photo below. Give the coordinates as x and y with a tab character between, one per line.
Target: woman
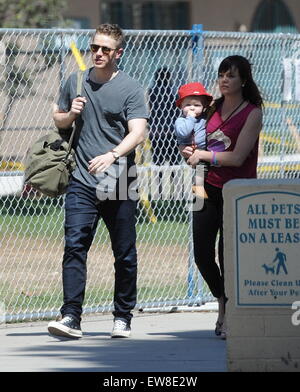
233	128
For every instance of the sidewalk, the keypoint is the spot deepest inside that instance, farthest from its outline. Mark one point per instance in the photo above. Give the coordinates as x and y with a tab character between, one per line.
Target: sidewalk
160	342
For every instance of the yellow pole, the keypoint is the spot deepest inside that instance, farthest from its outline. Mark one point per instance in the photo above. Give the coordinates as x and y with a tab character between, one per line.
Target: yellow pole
78	57
146	204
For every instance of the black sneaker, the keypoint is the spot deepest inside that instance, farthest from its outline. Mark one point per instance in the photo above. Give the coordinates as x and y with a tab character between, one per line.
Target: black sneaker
121	329
69	327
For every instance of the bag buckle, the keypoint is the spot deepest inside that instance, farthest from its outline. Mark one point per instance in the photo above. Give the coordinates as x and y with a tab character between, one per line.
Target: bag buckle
54	146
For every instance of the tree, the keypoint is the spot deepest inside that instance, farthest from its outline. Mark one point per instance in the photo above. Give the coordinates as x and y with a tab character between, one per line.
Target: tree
25	14
32	13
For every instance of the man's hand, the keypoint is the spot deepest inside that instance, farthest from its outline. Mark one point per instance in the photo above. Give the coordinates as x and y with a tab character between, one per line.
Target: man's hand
78	105
65	120
101	163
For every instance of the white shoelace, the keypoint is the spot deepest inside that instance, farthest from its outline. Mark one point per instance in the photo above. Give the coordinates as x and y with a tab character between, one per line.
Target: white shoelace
66	319
120	324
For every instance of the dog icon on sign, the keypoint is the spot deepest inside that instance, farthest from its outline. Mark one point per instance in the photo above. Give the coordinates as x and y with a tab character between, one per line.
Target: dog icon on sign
280	259
268	269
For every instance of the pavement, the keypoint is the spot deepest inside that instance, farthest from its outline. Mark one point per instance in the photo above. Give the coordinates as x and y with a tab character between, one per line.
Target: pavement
161	342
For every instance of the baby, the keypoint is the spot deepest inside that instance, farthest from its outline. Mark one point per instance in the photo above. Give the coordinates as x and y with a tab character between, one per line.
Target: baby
190	126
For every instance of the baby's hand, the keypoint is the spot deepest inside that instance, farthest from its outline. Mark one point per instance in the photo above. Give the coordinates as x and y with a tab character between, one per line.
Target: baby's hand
186	151
190	113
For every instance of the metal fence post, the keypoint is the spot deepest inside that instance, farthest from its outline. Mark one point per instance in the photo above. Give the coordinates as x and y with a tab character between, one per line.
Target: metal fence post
197	50
197	58
62	66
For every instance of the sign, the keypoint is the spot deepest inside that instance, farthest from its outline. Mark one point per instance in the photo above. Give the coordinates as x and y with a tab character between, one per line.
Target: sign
2	53
287	82
291	80
297	80
267	246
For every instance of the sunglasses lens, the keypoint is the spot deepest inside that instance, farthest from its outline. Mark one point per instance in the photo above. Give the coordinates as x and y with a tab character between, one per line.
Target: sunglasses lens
105	50
94	48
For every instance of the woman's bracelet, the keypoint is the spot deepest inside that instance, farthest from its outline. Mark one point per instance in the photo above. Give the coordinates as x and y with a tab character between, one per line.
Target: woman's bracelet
214	161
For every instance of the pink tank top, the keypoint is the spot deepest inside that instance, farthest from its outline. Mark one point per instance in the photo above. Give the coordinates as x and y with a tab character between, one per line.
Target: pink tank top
225	140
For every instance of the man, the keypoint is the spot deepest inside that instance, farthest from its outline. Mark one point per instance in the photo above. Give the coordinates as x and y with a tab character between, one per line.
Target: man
110	118
281	259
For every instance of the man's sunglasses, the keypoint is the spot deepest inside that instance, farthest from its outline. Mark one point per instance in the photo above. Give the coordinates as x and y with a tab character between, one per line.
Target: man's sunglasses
105	50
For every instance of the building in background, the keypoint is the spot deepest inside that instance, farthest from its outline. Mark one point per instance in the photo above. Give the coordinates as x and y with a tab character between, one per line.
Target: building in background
214	15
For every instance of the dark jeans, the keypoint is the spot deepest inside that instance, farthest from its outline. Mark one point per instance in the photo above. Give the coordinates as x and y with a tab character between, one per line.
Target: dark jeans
206	224
82	213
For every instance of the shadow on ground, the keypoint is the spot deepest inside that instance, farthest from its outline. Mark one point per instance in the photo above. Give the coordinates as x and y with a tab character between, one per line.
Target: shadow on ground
191	351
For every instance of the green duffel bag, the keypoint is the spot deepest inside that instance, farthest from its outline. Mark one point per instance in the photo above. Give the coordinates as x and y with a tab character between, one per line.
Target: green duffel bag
51	159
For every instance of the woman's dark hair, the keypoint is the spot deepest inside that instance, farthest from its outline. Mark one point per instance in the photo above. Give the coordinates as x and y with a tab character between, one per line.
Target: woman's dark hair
249	90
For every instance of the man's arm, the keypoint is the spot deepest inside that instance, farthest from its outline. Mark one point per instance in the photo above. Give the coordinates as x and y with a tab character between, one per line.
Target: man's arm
136	135
64	120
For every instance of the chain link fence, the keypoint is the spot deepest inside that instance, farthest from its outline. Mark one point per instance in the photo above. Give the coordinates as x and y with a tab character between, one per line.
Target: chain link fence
34	65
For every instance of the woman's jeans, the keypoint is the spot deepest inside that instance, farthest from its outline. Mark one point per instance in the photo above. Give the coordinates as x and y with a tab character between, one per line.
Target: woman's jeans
82	213
206	225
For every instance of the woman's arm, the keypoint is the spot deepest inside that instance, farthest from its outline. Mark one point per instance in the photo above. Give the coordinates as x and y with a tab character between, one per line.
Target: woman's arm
244	144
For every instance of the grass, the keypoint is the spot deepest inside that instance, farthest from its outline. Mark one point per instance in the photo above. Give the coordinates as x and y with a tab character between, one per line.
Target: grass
26	234
44	301
51	225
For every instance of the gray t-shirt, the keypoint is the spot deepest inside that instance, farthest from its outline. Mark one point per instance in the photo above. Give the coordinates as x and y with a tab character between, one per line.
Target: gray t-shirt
103	124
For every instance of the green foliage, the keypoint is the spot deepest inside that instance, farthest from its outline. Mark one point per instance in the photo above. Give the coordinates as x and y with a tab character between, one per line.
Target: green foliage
17	81
31	13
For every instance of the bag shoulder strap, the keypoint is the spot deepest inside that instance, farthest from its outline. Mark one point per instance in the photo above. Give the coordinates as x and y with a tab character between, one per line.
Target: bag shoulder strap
78	94
227	119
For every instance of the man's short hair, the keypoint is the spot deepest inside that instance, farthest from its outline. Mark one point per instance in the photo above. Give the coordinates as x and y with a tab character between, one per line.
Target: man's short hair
112	30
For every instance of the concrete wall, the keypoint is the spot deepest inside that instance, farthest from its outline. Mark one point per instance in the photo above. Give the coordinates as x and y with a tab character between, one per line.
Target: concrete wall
229	15
217	15
261	333
85	9
223	16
